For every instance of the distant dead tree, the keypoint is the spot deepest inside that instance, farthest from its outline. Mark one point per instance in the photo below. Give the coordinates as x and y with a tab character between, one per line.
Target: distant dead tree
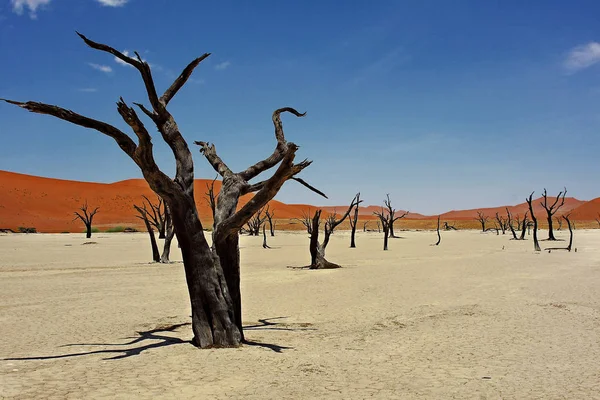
483	219
265	245
536	244
211	198
501	223
378	227
384	221
143	214
353	222
256	222
157	215
449	227
552	209
391	213
317	250
569	247
598	220
366	222
330	221
86	217
164	257
523	226
212	272
559	222
306	220
438	232
270	214
518	219
510	224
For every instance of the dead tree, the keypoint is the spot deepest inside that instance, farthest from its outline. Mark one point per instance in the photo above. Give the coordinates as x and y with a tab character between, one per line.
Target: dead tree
212	274
144	216
211	198
170	233
270	215
306	220
86	217
366	222
438	232
384	220
552	209
317	250
391	213
510	224
501	223
330	221
353	222
523	226
598	220
518	219
449	227
559	222
255	223
482	220
265	245
570	246
156	215
378	227
536	244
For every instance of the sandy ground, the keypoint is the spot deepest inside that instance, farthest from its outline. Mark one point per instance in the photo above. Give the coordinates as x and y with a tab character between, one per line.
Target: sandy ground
479	317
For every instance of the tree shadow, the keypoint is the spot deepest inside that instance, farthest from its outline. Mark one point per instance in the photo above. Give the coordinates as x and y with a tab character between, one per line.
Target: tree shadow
144	336
267	324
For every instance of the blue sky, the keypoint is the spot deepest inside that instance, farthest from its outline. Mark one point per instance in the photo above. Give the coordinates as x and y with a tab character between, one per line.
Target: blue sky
443	104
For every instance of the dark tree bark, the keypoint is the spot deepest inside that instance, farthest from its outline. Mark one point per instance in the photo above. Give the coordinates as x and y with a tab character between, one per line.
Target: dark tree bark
86	217
510	224
212	275
523	227
265	245
306	220
317	250
536	244
164	257
157	216
270	214
384	219
143	215
353	222
211	198
552	209
438	232
392	218
483	219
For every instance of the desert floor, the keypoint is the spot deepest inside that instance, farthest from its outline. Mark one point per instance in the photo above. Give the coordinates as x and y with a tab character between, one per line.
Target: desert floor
479	317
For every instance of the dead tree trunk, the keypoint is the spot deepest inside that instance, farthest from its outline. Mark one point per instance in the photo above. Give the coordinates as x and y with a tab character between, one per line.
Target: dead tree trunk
559	222
552	209
265	245
536	244
212	276
86	217
523	227
566	218
353	222
255	223
501	223
598	220
482	220
385	222
366	222
164	257
143	215
438	232
270	214
392	218
156	216
510	224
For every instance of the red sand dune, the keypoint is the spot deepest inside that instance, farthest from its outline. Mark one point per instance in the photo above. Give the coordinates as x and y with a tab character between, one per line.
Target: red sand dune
48	204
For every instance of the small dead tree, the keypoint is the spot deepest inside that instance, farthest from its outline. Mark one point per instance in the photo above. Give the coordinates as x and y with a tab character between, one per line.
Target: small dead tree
170	234
256	222
366	223
598	220
501	223
211	198
392	215
265	245
353	222
378	226
552	209
317	250
86	217
212	272
483	219
306	220
449	227
270	214
523	226
143	214
559	222
438	232
536	244
157	216
384	220
510	224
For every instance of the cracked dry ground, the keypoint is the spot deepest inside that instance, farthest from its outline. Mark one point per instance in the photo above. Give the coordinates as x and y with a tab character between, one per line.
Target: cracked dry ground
477	317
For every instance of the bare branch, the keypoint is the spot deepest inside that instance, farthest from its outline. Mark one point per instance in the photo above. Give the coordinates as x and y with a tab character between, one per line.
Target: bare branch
181	79
314	189
209	152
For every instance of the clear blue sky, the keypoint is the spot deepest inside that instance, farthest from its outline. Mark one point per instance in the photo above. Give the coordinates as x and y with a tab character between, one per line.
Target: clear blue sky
442	104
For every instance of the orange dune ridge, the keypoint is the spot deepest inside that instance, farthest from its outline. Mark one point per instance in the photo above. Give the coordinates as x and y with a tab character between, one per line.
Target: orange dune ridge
48	205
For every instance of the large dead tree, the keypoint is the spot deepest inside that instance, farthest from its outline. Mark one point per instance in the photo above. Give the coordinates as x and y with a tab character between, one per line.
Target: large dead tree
392	215
551	209
483	219
536	244
211	198
353	222
86	216
384	219
143	214
270	214
212	274
317	250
